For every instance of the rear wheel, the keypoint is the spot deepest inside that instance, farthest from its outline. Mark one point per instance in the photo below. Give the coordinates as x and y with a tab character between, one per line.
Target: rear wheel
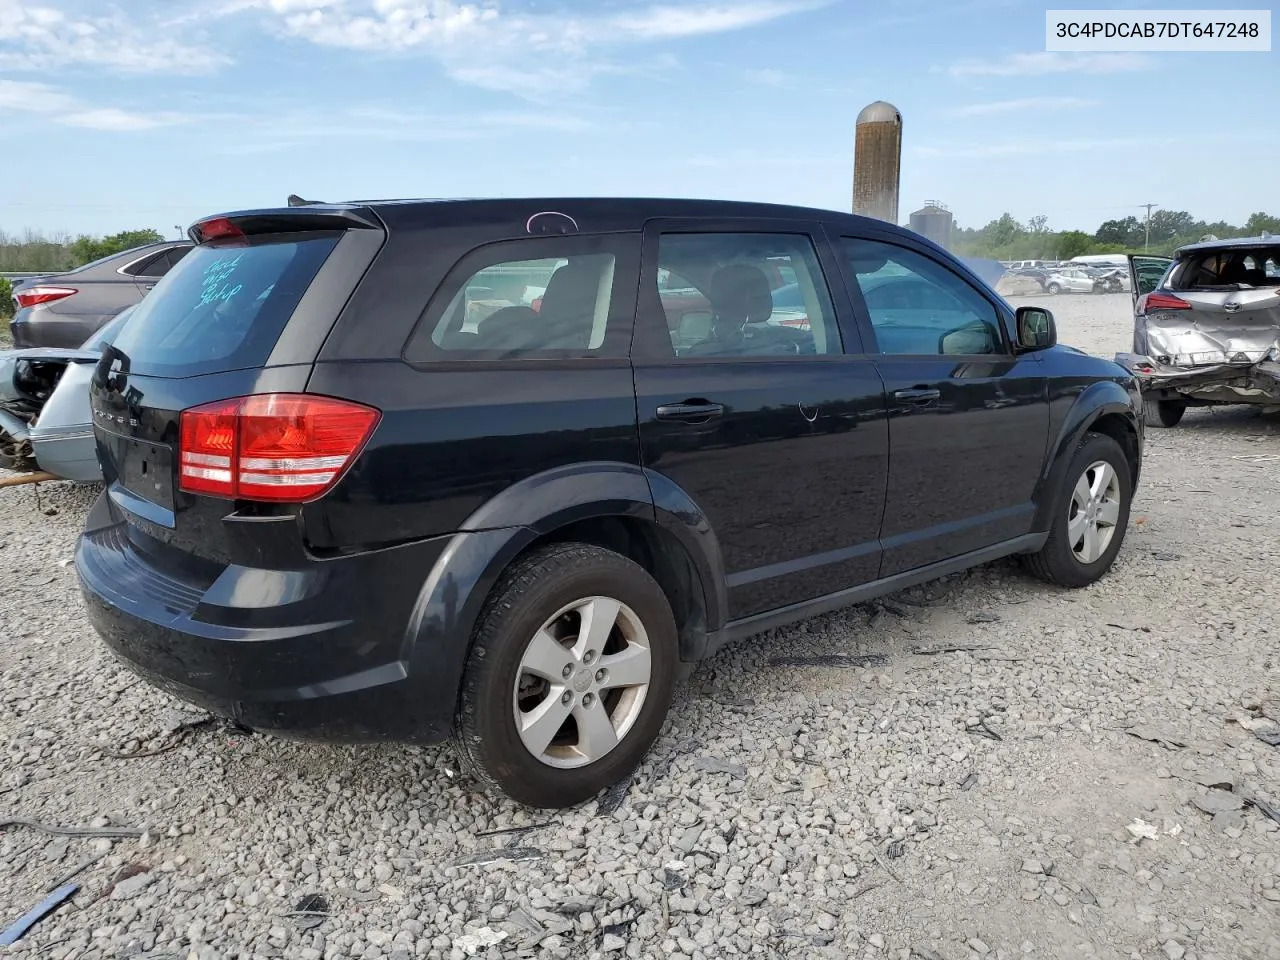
1163	413
1054	288
1090	518
569	677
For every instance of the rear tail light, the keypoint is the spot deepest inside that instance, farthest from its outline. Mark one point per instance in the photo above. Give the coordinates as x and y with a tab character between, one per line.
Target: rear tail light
34	295
1150	302
282	447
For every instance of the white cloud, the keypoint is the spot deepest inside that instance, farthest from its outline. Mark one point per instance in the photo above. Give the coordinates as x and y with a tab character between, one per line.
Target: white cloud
514	46
754	159
770	77
45	38
536	55
16	95
58	106
286	126
1033	146
1045	62
1030	146
1026	103
665	22
113	118
293	129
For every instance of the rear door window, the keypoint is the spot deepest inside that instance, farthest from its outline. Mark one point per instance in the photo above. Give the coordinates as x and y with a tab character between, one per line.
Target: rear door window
164	263
551	298
223	306
744	295
153	266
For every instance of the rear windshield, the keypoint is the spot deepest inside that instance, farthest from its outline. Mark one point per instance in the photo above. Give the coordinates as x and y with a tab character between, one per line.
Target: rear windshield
1228	269
223	306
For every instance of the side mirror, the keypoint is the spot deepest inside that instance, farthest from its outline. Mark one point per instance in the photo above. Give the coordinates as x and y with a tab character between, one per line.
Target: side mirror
1036	329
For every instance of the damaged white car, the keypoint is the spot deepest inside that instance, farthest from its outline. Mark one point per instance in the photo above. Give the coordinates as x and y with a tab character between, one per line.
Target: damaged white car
45	420
1206	327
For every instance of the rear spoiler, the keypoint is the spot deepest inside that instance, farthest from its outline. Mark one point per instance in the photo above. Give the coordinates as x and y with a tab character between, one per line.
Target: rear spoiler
293	219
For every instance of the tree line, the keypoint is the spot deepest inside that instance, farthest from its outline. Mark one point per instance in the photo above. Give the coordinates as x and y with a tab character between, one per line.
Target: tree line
1006	238
34	252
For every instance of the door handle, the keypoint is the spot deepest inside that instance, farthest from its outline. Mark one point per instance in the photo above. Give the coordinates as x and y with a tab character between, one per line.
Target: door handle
690	412
918	395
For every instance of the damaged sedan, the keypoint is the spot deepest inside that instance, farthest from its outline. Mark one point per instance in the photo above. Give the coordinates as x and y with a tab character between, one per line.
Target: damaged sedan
1206	327
45	419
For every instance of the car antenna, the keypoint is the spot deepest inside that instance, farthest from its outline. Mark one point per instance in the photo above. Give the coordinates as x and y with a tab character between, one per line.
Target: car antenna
297	201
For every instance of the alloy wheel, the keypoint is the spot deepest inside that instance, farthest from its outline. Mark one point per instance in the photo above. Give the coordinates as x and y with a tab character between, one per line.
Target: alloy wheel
1094	512
582	682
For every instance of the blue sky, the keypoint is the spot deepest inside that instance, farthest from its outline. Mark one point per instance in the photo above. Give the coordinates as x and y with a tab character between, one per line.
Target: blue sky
156	112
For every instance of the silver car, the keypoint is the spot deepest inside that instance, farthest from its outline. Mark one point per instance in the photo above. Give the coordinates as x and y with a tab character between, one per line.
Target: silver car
1069	280
1206	327
45	420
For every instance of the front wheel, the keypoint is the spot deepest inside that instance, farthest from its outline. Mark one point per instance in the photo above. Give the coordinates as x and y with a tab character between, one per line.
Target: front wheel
1054	289
1090	518
569	676
1163	413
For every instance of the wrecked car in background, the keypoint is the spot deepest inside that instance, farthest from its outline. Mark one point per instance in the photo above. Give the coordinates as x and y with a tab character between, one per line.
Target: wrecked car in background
45	418
1206	327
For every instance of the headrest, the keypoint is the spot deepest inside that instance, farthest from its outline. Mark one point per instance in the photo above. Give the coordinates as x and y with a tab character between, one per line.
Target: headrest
571	292
740	292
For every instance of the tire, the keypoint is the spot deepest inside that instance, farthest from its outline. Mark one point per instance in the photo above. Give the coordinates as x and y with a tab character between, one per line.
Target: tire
1061	561
1054	289
550	593
1163	413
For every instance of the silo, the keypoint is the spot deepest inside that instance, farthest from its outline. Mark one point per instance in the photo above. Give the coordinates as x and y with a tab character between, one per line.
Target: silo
933	220
877	159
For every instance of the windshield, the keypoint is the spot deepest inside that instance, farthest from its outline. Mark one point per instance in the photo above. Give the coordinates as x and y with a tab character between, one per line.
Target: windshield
1232	268
223	306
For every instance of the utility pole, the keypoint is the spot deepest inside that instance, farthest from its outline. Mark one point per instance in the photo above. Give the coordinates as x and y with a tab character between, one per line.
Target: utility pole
1146	244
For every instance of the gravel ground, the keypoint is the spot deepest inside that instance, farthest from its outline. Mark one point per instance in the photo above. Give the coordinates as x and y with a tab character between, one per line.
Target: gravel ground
976	788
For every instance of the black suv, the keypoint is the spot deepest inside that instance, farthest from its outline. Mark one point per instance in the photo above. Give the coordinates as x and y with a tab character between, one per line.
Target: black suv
500	471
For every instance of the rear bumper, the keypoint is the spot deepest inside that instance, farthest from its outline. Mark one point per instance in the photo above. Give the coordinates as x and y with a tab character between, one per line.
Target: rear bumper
322	653
1257	383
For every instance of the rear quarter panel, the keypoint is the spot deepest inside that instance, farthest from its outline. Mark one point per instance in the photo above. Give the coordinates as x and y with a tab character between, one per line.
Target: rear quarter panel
450	440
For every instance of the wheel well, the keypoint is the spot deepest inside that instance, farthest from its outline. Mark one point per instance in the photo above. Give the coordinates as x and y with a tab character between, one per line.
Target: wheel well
1122	432
659	553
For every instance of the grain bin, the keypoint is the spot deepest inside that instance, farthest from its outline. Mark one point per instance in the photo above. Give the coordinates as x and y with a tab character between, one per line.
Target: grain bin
877	160
933	220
